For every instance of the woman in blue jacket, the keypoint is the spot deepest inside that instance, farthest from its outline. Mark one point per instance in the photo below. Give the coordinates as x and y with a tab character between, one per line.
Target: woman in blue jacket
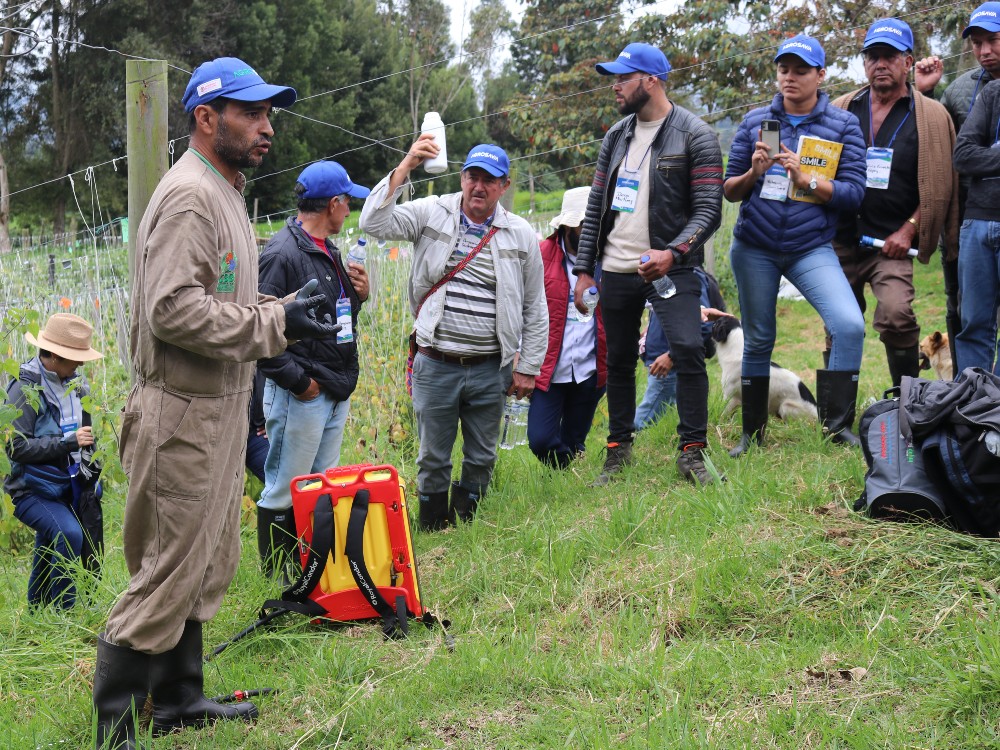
776	235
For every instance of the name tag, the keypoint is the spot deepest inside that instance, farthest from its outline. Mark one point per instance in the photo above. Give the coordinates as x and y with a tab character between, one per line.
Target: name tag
775	187
346	333
626	195
879	164
68	425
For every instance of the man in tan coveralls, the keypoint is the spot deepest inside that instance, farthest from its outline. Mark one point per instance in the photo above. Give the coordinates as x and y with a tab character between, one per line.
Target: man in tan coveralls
198	325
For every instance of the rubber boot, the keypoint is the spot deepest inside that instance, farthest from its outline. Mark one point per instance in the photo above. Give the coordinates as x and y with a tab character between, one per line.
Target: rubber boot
121	682
177	684
755	398
903	362
464	502
836	397
433	511
277	541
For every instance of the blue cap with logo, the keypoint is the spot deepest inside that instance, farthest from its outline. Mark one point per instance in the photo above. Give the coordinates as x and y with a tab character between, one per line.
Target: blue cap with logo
890	31
986	17
327	179
637	58
234	79
489	157
805	47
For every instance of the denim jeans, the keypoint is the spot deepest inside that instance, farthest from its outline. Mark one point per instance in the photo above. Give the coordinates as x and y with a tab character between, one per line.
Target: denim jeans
817	274
661	392
444	395
623	298
979	277
560	418
305	438
58	538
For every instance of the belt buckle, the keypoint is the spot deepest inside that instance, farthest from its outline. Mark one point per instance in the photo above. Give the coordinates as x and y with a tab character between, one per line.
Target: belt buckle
466	361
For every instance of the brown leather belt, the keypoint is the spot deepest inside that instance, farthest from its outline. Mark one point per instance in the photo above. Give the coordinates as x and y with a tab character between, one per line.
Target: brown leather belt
455	359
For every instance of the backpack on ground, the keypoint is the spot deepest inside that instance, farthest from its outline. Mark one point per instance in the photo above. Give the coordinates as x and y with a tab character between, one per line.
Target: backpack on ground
897	486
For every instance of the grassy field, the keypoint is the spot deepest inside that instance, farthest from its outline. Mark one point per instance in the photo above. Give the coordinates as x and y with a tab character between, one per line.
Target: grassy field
760	613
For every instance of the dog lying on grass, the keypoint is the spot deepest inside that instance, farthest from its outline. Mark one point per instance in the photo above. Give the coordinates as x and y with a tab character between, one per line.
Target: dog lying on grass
788	395
935	352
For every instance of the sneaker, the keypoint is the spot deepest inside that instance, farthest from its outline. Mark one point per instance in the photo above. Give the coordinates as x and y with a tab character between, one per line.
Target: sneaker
618	455
691	465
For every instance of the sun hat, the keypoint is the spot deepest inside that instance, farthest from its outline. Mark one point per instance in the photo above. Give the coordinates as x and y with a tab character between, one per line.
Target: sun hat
574	206
67	335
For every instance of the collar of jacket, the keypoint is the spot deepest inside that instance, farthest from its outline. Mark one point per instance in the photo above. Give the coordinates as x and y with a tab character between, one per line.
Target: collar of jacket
778	108
452	203
863	91
304	239
628	124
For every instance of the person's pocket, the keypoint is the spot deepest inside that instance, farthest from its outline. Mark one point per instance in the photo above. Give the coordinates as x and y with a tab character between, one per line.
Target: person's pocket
129	438
187	433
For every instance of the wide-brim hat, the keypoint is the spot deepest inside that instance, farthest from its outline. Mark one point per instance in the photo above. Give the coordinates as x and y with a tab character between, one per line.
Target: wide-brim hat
67	335
574	207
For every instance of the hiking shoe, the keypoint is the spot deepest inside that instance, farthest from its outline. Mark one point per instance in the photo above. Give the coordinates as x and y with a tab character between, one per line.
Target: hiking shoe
691	465
618	455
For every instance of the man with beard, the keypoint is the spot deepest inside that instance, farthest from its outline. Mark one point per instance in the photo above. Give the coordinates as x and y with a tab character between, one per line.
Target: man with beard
197	327
477	294
657	194
911	192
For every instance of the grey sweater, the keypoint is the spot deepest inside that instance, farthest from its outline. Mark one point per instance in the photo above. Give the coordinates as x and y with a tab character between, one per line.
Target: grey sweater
976	157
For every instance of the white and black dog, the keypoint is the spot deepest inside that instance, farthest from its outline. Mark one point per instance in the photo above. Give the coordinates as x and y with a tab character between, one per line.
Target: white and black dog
788	396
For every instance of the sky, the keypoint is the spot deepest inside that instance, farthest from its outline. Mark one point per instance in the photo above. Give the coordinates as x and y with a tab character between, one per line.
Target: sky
460	9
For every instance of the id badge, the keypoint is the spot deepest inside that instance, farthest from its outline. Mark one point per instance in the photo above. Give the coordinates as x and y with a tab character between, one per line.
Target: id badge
879	164
346	333
626	195
68	425
775	187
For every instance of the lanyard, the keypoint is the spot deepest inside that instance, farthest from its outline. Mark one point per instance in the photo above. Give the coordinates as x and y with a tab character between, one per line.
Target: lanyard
639	165
871	125
975	91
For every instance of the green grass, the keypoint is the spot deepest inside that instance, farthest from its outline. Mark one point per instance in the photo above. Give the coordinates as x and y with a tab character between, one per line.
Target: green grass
645	614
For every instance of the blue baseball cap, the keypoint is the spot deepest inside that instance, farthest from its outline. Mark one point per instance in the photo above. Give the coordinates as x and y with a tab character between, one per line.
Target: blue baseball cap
234	79
986	17
637	58
890	31
489	157
327	179
809	50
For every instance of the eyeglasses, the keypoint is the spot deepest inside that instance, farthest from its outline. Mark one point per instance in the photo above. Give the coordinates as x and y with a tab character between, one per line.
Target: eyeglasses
621	80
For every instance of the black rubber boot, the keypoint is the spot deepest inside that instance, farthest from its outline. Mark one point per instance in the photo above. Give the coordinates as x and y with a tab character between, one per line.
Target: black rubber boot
277	541
433	511
177	686
121	682
903	362
755	397
836	397
464	502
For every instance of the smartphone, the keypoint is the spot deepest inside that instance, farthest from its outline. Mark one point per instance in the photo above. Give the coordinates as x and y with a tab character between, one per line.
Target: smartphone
770	133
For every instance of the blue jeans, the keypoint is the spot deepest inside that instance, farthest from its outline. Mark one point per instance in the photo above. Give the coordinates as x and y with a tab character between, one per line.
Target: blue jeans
58	539
979	280
817	274
444	395
661	392
560	418
305	439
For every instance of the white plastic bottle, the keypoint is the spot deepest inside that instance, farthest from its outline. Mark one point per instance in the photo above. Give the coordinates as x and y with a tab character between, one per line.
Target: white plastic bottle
434	125
358	253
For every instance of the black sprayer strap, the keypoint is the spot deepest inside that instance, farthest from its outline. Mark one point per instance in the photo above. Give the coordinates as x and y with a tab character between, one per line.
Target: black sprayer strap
319	550
355	553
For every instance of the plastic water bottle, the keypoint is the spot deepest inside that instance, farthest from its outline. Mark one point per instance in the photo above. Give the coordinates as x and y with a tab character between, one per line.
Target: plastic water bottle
434	125
663	285
358	253
590	299
514	429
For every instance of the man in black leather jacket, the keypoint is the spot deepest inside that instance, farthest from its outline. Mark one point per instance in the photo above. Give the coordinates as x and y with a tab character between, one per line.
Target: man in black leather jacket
308	387
657	194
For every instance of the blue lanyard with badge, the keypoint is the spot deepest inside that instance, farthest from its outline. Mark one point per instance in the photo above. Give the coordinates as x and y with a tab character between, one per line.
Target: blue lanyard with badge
626	195
878	160
344	317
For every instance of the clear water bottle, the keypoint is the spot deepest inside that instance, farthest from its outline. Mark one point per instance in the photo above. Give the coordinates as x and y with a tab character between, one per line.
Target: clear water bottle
663	285
590	299
514	428
358	253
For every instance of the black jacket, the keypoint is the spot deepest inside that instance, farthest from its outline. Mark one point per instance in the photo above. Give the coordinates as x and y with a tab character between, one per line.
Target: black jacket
685	197
288	261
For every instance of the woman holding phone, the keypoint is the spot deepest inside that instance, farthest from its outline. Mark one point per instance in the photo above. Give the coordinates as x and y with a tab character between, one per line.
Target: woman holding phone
780	235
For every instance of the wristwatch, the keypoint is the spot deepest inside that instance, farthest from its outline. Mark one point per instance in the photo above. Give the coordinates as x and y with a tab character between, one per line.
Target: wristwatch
813	184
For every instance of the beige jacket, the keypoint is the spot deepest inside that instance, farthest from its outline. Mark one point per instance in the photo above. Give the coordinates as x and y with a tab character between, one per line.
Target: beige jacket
937	181
198	323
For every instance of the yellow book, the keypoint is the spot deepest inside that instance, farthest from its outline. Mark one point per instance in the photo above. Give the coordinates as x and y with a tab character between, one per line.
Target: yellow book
819	157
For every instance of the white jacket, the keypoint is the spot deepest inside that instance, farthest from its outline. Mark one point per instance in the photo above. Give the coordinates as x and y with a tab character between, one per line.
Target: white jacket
432	225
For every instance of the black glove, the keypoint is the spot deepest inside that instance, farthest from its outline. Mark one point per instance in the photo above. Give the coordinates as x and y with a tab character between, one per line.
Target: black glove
300	315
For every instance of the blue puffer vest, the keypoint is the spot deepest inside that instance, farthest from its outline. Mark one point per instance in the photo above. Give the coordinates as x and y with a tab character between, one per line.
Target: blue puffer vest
794	226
